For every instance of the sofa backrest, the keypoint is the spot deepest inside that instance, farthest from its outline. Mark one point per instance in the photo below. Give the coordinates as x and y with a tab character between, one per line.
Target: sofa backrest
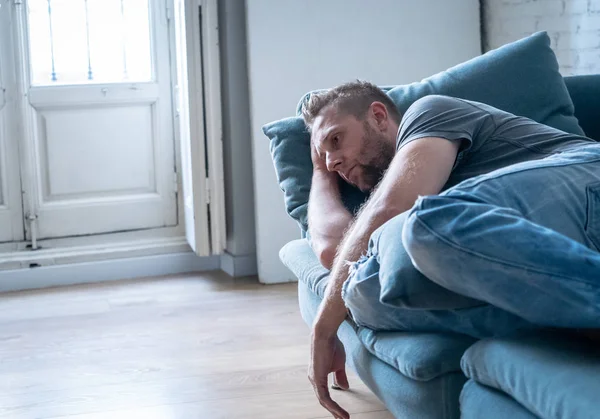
585	93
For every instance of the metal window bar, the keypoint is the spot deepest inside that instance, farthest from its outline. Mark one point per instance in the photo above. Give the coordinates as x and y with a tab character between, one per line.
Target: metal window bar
87	35
53	78
91	73
124	40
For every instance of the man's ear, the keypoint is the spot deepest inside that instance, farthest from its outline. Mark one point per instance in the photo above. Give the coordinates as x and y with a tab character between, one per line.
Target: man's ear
380	114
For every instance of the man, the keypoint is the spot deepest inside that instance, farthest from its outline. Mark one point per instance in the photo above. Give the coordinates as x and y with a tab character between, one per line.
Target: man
502	209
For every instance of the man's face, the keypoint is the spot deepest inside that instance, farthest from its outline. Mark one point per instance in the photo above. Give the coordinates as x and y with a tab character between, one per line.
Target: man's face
357	150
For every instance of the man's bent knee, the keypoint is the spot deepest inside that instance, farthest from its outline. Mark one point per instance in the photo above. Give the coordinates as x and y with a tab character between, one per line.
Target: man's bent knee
421	236
361	292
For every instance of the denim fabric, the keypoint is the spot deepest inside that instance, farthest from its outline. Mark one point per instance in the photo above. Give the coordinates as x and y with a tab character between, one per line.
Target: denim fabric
362	296
553	376
402	286
384	292
481	402
524	238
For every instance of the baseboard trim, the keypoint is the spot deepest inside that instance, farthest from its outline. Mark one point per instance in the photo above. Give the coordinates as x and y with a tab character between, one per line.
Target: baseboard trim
105	270
93	252
239	265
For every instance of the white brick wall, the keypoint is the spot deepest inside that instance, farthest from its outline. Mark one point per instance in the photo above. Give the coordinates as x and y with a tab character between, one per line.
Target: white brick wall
573	26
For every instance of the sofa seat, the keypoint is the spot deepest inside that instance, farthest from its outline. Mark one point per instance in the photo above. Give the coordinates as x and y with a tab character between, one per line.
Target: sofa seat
478	401
549	375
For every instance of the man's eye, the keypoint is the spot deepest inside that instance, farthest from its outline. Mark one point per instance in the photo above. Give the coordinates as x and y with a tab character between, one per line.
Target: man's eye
336	140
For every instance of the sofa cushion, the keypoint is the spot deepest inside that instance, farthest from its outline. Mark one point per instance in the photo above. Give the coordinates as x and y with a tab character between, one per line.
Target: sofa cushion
299	257
290	151
521	78
551	376
420	356
402	396
585	94
478	401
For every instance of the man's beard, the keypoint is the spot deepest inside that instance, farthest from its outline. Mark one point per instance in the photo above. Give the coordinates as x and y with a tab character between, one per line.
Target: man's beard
381	151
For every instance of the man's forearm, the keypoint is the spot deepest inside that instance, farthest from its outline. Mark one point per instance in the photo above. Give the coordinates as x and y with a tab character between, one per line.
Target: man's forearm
355	242
328	219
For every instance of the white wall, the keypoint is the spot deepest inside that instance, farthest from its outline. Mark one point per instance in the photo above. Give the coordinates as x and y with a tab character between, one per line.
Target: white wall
297	46
573	27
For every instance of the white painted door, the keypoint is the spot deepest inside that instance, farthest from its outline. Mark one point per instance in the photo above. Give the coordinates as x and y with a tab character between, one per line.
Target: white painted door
193	175
11	219
97	144
199	123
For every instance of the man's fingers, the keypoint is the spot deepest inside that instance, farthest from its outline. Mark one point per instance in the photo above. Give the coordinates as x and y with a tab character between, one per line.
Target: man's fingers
327	355
340	380
328	403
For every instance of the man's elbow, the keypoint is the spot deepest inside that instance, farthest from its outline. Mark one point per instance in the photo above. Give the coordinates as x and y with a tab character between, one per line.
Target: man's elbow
326	254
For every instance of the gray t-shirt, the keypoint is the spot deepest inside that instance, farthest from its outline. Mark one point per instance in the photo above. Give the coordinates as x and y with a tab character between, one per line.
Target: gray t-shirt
490	138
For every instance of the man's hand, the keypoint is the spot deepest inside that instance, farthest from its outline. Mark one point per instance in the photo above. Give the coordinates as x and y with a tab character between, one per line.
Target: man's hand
327	352
318	162
328	355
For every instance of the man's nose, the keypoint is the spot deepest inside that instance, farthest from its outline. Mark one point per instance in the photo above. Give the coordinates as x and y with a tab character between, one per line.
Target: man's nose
332	162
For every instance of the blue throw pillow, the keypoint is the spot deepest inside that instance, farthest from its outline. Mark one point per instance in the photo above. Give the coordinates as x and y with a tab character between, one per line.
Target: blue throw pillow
290	150
521	78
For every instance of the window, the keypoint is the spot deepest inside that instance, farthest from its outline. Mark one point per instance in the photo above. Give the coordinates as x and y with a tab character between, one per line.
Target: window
89	41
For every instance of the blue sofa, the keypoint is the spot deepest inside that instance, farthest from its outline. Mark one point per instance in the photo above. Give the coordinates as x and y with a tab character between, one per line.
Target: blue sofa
430	375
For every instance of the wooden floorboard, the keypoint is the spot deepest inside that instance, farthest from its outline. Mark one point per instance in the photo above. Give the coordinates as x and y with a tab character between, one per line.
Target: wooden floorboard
189	346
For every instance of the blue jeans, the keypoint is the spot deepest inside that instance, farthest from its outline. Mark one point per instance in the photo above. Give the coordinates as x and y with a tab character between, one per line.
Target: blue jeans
524	240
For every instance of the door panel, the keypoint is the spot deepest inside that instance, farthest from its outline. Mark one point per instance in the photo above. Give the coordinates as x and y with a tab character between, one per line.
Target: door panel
109	151
99	151
199	117
11	219
191	130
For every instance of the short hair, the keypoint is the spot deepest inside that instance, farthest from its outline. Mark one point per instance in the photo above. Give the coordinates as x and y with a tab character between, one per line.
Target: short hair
353	98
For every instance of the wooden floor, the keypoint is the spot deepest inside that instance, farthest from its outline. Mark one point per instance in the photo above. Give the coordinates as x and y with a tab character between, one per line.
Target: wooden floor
196	346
